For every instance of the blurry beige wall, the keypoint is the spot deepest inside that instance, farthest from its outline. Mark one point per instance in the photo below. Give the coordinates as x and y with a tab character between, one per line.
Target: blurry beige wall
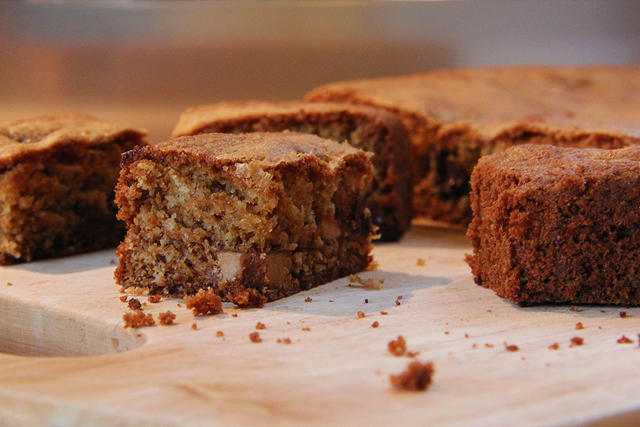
145	62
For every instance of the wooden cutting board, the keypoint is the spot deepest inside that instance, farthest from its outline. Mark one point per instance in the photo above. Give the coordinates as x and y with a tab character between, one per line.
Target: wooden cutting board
73	364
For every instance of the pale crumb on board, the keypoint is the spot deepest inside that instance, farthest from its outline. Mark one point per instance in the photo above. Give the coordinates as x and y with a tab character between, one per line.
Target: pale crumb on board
375	324
421	262
360	315
375	284
219	334
579	325
284	341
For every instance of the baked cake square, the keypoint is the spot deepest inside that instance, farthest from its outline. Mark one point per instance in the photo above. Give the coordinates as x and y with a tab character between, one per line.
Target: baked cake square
558	224
57	177
374	130
254	217
456	116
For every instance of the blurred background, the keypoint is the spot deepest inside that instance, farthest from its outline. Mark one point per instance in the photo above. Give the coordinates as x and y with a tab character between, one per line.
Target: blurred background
144	62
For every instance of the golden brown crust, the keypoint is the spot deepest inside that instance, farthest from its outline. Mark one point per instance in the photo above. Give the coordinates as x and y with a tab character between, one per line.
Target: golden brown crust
456	116
375	130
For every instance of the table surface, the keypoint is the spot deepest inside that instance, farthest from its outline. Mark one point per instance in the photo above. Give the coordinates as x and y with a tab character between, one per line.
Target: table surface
68	361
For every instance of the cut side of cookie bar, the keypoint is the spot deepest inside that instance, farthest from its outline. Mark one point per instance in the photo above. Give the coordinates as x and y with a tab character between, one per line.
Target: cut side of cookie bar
255	217
558	224
57	178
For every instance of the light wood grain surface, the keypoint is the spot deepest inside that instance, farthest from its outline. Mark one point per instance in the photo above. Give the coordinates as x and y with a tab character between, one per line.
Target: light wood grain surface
73	364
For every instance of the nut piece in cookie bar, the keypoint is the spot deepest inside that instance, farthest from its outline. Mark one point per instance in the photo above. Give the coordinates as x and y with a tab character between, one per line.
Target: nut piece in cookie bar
254	217
374	130
57	177
454	117
556	224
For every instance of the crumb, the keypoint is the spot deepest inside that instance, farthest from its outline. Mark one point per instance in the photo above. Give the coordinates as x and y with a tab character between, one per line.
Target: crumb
372	283
234	315
9	284
554	346
399	297
378	372
260	326
524	358
488	345
417	377
154	299
204	302
397	303
194	326
360	315
306	329
397	347
255	337
288	323
579	325
219	334
446	332
421	262
511	347
166	318
576	309
134	304
144	304
602	311
489	311
412	354
112	261
366	301
307	299
373	265
466	335
576	341
625	340
375	324
384	313
474	346
179	305
623	314
123	298
330	300
138	320
284	341
137	290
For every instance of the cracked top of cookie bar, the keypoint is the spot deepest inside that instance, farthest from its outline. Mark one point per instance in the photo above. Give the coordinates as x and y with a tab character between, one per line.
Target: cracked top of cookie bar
269	148
20	139
598	98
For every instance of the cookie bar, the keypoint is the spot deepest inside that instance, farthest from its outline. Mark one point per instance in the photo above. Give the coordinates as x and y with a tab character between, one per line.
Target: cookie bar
255	217
57	177
557	224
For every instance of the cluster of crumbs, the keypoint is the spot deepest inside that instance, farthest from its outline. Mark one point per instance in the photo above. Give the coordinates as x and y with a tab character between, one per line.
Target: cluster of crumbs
138	319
